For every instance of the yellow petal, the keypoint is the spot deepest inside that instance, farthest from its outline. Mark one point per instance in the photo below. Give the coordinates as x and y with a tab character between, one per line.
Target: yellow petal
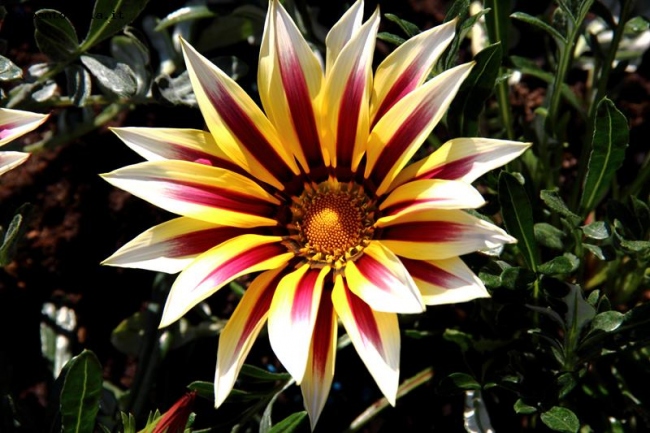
398	134
220	265
199	191
341	33
237	124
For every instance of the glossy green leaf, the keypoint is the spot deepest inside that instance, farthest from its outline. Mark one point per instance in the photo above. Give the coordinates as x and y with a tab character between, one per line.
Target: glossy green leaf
186	13
81	393
251	372
553	200
637	25
561	419
603	252
390	38
534	21
55	35
566	383
560	265
597	230
131	51
468	104
610	139
14	234
290	424
112	76
518	217
109	17
266	423
457	382
607	321
8	70
522	408
517	278
549	236
407	27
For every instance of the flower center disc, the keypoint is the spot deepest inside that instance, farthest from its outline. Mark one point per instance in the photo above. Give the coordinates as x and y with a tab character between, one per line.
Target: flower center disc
334	223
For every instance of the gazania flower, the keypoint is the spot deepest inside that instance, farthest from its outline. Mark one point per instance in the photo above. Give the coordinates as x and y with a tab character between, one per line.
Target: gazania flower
13	124
316	194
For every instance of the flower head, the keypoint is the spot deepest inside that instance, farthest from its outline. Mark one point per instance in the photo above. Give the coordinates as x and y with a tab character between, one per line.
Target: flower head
13	124
316	193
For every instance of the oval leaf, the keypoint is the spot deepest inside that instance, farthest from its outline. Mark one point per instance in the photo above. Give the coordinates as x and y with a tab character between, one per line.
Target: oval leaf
186	13
560	265
112	76
561	419
607	321
80	394
518	217
610	139
290	423
109	17
55	35
9	71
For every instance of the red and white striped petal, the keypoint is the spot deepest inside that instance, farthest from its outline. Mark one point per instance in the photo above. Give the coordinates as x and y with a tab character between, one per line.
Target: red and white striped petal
237	123
10	160
171	246
318	377
375	336
292	317
431	194
198	191
399	133
447	281
218	266
438	234
243	327
290	78
463	159
407	67
341	33
158	144
14	123
345	99
380	279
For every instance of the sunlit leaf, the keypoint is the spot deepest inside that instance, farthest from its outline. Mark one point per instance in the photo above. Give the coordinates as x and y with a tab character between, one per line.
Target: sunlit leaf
560	265
78	83
561	419
109	17
113	77
597	230
523	408
186	13
81	393
55	35
611	134
8	70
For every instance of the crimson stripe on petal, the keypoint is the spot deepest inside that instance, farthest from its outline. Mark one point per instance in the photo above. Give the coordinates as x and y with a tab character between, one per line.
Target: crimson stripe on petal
348	120
322	340
427	271
398	207
259	311
423	231
197	242
400	141
301	306
247	132
376	273
239	263
219	198
300	105
404	85
364	320
451	170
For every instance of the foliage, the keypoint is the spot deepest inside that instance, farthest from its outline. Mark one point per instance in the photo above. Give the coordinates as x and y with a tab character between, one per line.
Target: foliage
562	345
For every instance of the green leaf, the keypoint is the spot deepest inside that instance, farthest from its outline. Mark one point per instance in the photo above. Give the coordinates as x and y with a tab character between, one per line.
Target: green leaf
597	230
109	17
534	21
560	265
523	408
466	107
186	13
131	51
549	236
289	424
607	321
81	393
407	27
457	382
561	419
78	83
113	77
128	422
177	90
14	234
637	25
579	313
55	35
566	383
390	38
553	200
518	217
8	70
604	252
244	22
642	214
463	340
610	139
516	278
260	375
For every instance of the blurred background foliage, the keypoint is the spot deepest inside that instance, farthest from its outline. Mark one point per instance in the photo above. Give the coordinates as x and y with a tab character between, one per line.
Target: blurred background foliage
562	345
